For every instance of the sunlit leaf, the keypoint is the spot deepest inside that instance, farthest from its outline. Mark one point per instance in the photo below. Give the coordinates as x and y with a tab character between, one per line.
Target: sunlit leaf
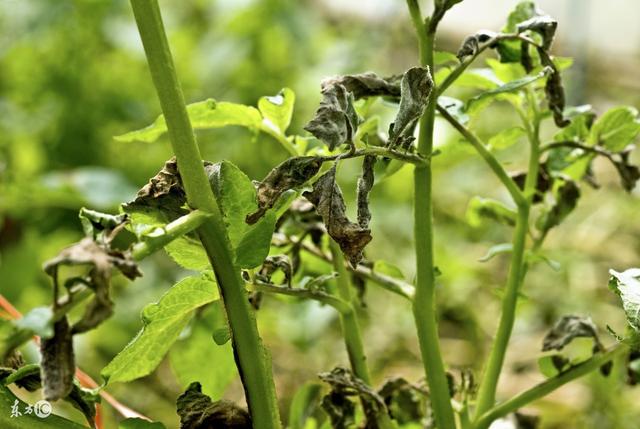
627	285
277	110
506	138
616	129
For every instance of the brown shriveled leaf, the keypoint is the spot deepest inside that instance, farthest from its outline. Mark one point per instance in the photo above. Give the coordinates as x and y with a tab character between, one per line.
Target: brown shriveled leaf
198	411
273	264
336	121
326	196
629	173
365	183
544	25
554	90
471	44
101	261
58	364
337	404
415	88
290	174
568	328
366	84
406	402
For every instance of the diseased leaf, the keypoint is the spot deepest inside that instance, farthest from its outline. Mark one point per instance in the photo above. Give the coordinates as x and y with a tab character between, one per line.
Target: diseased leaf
406	402
276	263
197	411
566	198
277	110
290	174
98	225
327	198
544	25
629	174
471	44
554	90
84	400
335	122
627	285
486	208
415	88
58	364
366	84
203	115
163	322
567	329
365	183
510	50
616	129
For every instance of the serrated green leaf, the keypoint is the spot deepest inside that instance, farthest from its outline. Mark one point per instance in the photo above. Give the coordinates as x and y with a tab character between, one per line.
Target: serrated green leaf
627	285
277	110
28	421
188	354
163	322
486	208
203	115
506	138
496	250
254	245
512	86
137	423
188	253
616	129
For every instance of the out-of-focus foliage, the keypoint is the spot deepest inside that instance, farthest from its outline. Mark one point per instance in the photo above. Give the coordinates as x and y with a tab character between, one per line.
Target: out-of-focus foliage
73	76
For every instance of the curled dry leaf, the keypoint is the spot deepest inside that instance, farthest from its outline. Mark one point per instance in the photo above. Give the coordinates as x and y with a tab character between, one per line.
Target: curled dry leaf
273	264
197	411
290	174
365	183
326	196
554	90
568	328
336	120
366	84
471	44
415	88
543	25
58	364
406	402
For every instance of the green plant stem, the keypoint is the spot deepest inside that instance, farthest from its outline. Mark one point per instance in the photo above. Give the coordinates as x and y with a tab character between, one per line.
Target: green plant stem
515	192
548	386
424	301
280	138
253	363
489	384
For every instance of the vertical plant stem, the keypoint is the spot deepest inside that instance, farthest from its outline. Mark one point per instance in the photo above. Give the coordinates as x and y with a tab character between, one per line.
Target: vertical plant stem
251	358
424	302
517	271
351	329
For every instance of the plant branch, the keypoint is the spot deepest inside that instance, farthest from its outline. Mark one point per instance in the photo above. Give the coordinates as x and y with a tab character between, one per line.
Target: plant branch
251	358
515	192
548	386
284	142
424	302
317	295
576	145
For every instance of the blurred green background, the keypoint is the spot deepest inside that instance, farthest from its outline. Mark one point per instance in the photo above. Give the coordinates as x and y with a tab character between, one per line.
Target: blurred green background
73	74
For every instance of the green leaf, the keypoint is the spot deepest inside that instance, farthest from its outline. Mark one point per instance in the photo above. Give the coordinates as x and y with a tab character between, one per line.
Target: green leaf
11	337
552	365
455	108
496	250
388	269
485	208
188	354
444	57
254	246
616	129
28	421
627	285
277	110
203	115
506	72
137	423
163	322
304	403
188	253
506	138
509	50
512	86
38	320
483	79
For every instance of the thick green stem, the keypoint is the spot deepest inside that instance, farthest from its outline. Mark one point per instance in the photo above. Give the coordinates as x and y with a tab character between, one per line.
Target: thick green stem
424	302
548	386
251	358
517	270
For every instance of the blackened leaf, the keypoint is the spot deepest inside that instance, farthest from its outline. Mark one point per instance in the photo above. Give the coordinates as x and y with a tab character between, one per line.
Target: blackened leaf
510	50
568	328
415	88
58	364
343	385
627	285
290	174
629	174
406	402
471	44
25	376
543	25
326	196
543	185
566	199
96	224
273	264
366	84
554	90
84	400
365	183
336	121
197	411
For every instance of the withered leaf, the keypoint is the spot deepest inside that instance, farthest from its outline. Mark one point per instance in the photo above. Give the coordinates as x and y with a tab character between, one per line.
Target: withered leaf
554	90
471	44
197	411
568	328
415	88
365	183
543	25
366	84
58	364
336	121
274	263
566	196
629	173
326	196
290	174
406	402
100	225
